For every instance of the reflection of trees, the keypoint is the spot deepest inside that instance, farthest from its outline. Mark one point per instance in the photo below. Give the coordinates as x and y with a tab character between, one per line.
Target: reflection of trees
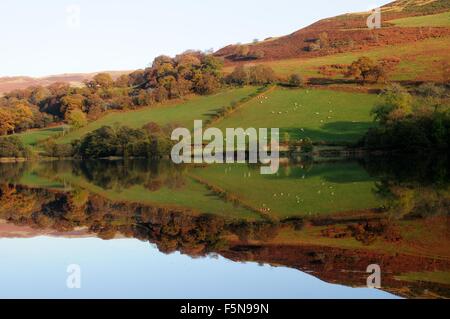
412	187
418	170
119	175
171	229
405	200
12	172
196	235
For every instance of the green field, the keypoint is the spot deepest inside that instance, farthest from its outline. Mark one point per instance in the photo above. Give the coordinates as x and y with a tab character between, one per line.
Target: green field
419	60
434	20
324	189
321	115
31	137
196	108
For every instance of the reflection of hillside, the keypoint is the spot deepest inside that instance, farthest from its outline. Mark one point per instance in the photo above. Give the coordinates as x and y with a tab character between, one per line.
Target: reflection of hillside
334	250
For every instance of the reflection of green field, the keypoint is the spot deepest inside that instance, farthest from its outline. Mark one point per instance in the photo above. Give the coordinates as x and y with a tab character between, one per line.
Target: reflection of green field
323	115
34	180
324	189
192	196
440	277
320	190
196	108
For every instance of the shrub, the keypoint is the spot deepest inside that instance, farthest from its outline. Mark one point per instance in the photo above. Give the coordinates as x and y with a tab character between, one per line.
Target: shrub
296	80
58	150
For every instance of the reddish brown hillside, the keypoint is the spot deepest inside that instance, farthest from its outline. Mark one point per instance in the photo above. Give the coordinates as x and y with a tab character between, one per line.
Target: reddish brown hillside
346	33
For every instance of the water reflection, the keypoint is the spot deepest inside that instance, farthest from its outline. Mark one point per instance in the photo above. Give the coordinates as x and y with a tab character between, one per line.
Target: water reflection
328	219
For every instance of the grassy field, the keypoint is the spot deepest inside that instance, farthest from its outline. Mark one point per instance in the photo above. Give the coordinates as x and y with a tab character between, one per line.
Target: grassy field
324	189
184	113
31	137
421	60
434	20
321	115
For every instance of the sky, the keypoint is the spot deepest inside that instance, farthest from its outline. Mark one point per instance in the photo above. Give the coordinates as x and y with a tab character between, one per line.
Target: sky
46	37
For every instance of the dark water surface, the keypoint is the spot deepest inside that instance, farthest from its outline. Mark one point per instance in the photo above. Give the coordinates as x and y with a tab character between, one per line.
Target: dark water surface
140	229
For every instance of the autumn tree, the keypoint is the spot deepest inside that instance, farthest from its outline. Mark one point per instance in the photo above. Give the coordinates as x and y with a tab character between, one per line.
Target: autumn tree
366	70
122	81
396	104
432	95
100	80
239	76
206	83
22	117
72	102
76	118
361	69
296	80
323	40
6	121
261	74
242	51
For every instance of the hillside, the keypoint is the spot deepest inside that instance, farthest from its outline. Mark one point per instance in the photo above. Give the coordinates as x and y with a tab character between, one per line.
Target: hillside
404	23
10	83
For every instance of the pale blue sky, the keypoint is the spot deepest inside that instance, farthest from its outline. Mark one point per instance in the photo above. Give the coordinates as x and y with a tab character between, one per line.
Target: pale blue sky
36	38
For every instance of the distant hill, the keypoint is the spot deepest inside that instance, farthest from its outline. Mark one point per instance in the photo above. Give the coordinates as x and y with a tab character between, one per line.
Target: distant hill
21	82
402	23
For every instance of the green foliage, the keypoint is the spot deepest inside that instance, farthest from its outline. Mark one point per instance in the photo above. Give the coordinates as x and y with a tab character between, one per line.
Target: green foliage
58	150
307	146
123	142
11	146
397	103
404	127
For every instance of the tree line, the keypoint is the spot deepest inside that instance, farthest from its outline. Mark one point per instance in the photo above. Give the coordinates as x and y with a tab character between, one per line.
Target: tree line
411	121
167	78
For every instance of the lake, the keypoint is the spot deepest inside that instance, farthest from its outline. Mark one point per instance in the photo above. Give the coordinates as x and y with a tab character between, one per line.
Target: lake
151	229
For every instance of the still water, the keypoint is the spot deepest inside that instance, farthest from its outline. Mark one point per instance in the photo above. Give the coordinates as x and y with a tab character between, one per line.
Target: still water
142	229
